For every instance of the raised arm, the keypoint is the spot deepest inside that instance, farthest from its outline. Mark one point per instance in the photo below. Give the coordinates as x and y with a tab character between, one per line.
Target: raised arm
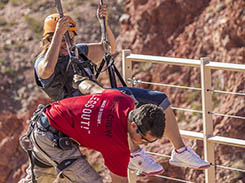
46	66
86	86
96	50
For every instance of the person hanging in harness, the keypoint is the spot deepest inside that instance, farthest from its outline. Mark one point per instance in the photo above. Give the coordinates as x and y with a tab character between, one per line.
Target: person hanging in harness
106	122
51	75
51	68
139	159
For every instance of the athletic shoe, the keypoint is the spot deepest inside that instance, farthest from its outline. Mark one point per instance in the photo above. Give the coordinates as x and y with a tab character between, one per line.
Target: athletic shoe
143	164
188	158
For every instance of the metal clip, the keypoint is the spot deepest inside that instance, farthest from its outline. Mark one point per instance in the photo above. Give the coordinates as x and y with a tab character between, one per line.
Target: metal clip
25	143
106	46
134	81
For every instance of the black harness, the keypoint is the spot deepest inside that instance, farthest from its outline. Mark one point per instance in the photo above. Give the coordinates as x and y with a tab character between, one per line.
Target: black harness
26	144
108	59
60	141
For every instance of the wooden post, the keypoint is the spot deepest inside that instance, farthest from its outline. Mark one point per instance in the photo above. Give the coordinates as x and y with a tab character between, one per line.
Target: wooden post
126	66
127	73
207	119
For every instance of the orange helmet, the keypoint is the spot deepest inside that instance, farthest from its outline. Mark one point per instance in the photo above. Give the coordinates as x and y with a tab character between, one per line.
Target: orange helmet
51	21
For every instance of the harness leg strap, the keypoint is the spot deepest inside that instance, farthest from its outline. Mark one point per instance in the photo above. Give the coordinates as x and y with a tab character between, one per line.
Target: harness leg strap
60	166
65	163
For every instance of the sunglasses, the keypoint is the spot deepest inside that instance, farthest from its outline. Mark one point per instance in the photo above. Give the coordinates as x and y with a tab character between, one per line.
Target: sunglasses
139	131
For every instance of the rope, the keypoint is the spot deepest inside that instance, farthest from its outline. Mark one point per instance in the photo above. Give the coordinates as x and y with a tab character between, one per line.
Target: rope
226	115
188	110
214	113
170	178
218	166
229	168
167	156
165	177
135	81
227	92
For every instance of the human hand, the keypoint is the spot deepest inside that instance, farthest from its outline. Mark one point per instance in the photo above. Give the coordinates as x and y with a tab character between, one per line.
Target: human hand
62	25
102	12
77	79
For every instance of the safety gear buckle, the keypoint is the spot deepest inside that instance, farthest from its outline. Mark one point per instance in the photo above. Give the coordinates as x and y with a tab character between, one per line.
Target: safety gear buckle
65	143
25	143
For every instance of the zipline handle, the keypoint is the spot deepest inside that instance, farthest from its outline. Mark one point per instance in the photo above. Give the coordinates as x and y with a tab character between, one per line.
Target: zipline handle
105	41
103	27
108	59
67	35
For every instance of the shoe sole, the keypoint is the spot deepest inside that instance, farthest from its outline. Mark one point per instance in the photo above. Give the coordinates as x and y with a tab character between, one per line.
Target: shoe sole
144	173
181	164
177	163
154	173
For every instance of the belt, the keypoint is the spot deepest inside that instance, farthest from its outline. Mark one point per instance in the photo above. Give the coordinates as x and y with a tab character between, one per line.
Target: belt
43	120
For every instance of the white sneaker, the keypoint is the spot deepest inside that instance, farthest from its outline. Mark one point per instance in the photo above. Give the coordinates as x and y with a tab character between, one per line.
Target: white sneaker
188	158
143	164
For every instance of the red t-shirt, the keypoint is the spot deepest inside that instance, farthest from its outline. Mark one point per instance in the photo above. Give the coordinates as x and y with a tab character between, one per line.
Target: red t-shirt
99	122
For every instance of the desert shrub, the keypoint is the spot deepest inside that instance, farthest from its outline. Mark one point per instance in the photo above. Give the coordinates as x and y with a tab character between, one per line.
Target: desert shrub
2	4
2	21
15	2
34	24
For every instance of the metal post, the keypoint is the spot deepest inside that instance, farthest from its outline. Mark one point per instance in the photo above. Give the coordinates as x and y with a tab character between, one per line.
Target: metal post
126	66
207	119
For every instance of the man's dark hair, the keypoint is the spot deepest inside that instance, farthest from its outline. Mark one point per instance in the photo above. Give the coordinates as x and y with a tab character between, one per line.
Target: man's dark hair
149	117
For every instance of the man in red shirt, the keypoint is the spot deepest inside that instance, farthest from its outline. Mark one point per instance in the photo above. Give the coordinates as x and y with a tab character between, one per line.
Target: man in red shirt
182	156
106	122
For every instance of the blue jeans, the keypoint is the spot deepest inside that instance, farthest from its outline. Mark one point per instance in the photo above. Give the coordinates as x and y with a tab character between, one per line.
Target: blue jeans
145	96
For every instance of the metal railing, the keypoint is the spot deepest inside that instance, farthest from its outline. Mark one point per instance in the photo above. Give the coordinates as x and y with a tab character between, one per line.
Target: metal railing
205	66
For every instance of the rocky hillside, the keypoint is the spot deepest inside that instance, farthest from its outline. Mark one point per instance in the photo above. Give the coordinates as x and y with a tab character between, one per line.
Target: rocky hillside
193	29
174	28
